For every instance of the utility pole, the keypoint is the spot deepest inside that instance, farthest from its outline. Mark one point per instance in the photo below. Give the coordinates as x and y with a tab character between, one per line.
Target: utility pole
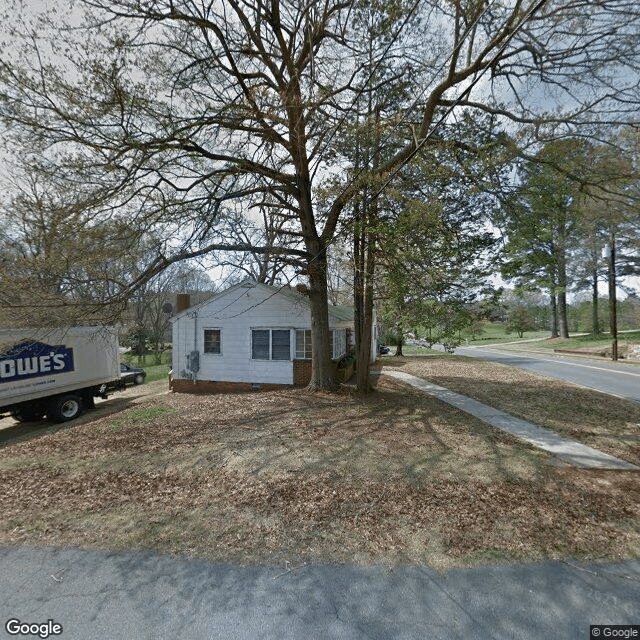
610	253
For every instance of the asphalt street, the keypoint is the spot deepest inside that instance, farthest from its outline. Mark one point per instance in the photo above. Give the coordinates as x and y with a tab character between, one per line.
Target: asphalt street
142	595
618	379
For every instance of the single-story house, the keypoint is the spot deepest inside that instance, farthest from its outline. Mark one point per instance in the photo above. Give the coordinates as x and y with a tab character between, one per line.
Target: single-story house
252	336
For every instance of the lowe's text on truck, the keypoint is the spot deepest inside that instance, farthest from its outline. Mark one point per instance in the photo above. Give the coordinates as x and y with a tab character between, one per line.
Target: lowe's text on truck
34	359
55	372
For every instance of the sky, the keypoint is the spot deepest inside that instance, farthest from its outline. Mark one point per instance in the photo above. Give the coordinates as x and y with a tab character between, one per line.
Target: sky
29	8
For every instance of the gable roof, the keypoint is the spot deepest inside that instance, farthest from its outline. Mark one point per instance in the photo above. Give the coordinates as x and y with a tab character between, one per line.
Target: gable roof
343	311
339	312
246	283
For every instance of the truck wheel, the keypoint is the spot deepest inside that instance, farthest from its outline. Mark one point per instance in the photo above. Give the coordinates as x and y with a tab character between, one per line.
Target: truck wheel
139	379
65	408
28	414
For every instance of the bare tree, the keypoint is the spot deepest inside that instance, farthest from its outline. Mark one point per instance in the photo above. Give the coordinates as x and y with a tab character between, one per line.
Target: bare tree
148	316
165	110
267	229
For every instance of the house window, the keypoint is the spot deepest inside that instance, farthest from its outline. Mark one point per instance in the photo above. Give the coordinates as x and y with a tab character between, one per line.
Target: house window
280	344
337	343
270	344
260	344
303	344
212	341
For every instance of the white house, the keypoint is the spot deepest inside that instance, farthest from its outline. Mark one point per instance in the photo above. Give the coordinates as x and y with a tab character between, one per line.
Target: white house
252	336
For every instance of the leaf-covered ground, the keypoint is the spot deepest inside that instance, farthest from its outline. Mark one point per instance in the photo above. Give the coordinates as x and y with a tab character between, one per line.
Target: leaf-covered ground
396	477
606	423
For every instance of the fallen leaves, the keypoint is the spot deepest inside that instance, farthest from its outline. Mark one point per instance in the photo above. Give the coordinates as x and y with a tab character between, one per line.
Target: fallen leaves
604	422
395	478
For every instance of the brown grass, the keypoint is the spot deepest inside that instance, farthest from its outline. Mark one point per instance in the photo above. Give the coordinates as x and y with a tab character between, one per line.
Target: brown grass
396	477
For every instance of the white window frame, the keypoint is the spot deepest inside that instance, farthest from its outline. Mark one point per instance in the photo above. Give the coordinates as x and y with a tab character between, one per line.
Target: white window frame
204	341
270	358
338	347
304	340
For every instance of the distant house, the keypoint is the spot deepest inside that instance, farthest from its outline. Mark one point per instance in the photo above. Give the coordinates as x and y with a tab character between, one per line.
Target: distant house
251	336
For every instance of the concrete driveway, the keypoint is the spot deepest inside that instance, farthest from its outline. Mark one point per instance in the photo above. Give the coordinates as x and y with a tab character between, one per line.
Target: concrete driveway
136	595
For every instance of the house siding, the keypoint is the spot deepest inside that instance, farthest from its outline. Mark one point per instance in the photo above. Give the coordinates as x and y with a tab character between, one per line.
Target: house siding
236	312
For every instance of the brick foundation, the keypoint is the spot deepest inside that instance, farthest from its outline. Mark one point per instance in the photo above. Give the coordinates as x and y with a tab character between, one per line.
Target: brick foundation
218	386
301	373
301	378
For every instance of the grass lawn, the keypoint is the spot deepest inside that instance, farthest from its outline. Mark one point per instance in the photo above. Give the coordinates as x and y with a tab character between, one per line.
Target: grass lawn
592	344
154	371
393	478
609	424
503	338
494	332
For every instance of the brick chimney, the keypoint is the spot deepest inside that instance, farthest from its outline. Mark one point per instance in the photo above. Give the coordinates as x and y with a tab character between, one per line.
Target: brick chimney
303	289
183	302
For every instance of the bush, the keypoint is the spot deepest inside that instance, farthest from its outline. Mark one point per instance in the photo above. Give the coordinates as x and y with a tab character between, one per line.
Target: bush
346	361
519	321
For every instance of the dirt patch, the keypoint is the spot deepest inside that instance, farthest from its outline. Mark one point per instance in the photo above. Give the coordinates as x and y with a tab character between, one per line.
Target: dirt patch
396	477
606	423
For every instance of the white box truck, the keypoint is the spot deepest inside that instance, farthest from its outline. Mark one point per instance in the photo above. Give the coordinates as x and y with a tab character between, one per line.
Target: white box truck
55	372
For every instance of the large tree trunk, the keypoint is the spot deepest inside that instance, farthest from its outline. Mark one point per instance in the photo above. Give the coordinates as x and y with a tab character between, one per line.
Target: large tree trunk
369	216
563	324
358	275
322	374
553	305
400	339
613	321
364	348
560	252
363	299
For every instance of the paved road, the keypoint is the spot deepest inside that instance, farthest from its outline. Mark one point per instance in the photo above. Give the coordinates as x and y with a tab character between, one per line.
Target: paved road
141	595
618	379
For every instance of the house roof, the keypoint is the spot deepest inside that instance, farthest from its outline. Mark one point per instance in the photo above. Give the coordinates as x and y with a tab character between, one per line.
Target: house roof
339	312
343	311
244	284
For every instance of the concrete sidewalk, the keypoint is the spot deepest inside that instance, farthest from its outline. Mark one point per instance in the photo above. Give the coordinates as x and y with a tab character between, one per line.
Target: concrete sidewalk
141	595
568	450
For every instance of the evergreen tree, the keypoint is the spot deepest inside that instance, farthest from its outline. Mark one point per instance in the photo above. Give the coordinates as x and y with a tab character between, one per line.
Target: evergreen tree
541	221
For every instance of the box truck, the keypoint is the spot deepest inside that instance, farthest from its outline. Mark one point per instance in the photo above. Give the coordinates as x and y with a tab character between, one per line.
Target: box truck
55	372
